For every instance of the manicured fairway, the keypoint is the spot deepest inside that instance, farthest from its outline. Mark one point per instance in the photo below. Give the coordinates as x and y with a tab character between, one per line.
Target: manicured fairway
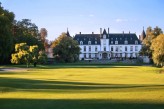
83	87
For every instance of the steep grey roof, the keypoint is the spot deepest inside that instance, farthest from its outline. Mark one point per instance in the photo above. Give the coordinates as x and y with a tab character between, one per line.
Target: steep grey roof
88	37
104	32
121	38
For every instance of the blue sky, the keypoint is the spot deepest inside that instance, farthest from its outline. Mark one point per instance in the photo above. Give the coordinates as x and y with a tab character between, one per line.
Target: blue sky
89	16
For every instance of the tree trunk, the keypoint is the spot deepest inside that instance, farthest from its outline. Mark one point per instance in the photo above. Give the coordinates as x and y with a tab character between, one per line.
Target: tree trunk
27	65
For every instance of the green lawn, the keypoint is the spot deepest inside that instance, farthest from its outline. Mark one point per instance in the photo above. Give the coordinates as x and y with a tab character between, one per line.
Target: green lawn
83	87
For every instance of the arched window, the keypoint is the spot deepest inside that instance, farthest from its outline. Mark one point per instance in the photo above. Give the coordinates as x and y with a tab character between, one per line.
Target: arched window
81	42
89	42
136	42
126	42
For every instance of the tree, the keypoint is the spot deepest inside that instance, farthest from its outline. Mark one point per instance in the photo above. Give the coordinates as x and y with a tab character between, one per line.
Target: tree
24	54
158	50
6	39
42	58
42	36
147	42
26	31
65	49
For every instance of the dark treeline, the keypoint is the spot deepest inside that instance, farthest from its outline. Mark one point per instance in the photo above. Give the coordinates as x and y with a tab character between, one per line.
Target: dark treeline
13	32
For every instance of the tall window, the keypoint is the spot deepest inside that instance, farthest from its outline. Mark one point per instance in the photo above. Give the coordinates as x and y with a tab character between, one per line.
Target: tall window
89	48
126	48
104	48
95	42
96	55
131	48
111	42
116	48
84	48
136	48
111	48
89	55
85	55
120	48
96	48
81	42
89	42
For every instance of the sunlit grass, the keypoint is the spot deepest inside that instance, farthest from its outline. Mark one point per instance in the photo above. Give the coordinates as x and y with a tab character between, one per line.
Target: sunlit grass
142	86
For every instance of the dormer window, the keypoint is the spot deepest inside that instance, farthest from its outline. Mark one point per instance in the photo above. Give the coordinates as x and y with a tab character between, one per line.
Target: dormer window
89	42
126	42
81	42
136	42
104	36
116	42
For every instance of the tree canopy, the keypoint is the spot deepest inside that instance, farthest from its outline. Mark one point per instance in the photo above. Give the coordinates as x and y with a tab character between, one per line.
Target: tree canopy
26	31
147	42
6	39
24	54
65	49
158	50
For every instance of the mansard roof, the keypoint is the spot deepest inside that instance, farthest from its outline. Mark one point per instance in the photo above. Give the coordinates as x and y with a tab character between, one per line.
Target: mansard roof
85	38
121	38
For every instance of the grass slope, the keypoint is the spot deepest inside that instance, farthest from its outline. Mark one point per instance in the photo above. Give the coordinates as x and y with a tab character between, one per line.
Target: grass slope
83	87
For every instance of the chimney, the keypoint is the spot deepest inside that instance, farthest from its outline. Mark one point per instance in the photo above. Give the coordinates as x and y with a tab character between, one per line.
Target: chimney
129	32
108	32
123	33
80	33
100	32
92	32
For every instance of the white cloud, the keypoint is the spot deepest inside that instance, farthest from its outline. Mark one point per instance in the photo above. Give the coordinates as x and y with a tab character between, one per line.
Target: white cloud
118	20
121	20
91	15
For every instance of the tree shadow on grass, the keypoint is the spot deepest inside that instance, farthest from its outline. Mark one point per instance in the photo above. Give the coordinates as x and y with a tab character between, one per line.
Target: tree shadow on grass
13	84
6	103
84	66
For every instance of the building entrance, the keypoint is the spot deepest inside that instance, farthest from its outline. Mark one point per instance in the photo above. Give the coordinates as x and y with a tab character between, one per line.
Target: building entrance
104	55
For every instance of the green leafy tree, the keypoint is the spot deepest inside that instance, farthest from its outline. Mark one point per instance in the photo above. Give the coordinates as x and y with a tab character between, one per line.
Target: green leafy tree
24	54
26	31
65	49
6	39
158	50
42	58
